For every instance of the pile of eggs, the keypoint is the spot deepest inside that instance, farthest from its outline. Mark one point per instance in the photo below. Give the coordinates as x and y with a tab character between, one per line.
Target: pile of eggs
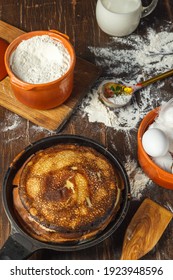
157	141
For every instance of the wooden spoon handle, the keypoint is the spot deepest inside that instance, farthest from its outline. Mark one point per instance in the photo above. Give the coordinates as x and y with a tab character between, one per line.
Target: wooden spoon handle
145	229
157	78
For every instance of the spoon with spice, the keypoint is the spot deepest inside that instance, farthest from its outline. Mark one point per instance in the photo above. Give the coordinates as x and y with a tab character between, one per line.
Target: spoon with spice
3	46
116	95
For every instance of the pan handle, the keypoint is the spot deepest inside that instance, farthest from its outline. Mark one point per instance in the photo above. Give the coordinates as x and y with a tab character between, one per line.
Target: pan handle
17	247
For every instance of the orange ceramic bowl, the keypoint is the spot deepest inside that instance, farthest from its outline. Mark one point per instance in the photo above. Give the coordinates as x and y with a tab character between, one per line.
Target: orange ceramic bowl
46	95
154	172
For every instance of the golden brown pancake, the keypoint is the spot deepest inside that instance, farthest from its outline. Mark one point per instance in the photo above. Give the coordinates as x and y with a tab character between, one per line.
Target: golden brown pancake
67	192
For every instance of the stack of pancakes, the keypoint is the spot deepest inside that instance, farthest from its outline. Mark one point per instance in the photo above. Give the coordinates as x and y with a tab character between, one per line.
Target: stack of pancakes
66	192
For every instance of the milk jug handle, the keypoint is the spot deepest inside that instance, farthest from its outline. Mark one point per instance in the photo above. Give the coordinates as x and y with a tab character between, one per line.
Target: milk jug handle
147	10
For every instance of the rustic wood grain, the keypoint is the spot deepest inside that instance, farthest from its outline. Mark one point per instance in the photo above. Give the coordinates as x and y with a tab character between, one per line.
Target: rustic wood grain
145	229
77	19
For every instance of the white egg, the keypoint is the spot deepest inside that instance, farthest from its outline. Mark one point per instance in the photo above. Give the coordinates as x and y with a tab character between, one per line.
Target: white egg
166	114
155	142
168	117
165	162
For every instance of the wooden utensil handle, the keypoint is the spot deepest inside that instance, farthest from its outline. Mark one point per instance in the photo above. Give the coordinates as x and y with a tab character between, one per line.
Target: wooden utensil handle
145	229
157	78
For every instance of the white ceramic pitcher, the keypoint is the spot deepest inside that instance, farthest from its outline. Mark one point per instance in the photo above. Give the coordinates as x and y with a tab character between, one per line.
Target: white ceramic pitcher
121	17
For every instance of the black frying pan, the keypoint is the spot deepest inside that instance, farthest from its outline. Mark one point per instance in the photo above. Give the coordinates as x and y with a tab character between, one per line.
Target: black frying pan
19	244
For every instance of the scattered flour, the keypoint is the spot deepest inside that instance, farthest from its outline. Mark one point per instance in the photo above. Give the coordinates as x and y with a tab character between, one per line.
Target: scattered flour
12	121
40	59
138	180
137	54
125	118
138	61
137	58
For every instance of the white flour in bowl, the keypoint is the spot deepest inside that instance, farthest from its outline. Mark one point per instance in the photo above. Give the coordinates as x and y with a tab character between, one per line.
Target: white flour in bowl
40	59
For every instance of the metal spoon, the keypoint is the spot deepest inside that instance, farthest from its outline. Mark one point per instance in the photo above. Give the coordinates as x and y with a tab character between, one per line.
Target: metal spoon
116	95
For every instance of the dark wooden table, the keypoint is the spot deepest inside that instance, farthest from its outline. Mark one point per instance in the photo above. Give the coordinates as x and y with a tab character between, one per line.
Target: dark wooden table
77	19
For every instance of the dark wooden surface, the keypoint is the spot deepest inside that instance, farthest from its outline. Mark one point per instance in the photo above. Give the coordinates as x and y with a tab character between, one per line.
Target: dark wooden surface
77	19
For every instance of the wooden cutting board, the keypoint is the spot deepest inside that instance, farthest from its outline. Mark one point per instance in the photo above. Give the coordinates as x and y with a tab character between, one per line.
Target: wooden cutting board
85	75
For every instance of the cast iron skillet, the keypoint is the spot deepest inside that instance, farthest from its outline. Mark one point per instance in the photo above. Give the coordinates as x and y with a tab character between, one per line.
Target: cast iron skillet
19	244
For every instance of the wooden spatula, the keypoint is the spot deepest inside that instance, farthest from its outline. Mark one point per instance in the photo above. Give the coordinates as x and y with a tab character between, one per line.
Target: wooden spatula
145	229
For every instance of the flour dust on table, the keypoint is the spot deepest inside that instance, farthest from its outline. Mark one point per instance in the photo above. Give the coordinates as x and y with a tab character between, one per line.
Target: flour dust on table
13	123
138	59
138	180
